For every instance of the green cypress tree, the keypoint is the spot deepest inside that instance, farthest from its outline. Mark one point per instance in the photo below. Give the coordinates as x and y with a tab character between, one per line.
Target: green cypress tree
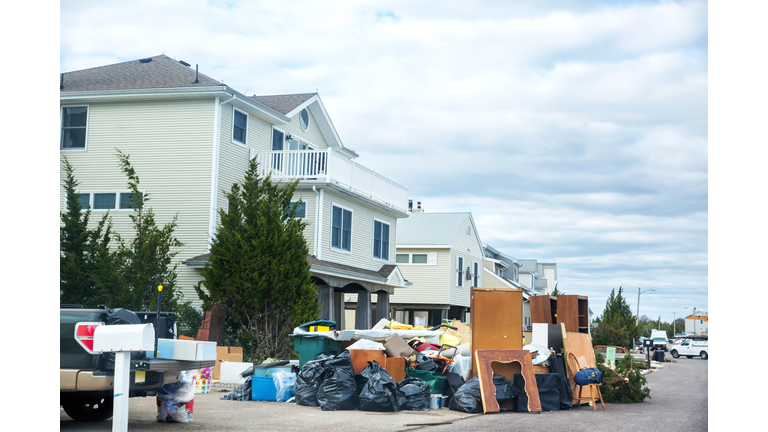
617	327
258	268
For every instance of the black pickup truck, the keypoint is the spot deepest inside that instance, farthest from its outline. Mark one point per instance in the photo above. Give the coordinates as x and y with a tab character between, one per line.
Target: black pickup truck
86	380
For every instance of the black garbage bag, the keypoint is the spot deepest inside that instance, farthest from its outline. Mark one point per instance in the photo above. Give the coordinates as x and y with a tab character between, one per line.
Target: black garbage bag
243	392
308	381
379	392
416	393
505	390
425	363
467	398
455	381
338	391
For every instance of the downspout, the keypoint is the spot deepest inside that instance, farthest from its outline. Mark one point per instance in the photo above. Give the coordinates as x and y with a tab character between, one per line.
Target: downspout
319	241
317	215
215	169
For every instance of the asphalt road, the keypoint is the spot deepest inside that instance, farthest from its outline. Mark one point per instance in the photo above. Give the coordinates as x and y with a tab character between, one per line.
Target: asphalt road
678	402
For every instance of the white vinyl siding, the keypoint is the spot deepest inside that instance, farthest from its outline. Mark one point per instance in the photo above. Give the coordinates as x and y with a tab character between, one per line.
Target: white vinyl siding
469	247
430	282
170	146
361	243
312	135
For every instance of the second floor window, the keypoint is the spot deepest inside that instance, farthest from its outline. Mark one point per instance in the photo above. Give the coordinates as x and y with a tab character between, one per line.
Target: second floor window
240	127
380	240
459	271
73	126
475	274
341	229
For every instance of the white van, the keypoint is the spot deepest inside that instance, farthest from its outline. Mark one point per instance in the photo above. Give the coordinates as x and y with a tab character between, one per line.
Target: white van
659	339
691	348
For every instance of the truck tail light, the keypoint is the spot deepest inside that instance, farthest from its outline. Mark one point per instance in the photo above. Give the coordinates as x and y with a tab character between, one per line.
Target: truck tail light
84	334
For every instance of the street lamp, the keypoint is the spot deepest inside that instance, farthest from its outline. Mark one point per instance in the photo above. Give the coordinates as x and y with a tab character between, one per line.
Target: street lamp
637	318
694	319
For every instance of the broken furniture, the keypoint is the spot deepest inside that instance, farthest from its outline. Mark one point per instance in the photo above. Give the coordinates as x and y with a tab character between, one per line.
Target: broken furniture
579	353
572	310
360	358
395	366
594	388
212	327
507	363
497	317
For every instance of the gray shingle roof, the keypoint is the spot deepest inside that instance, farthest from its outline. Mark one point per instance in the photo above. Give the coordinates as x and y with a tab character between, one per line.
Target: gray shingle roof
161	72
429	228
283	103
528	266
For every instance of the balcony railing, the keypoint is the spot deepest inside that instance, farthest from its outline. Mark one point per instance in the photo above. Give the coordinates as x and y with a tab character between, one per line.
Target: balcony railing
330	167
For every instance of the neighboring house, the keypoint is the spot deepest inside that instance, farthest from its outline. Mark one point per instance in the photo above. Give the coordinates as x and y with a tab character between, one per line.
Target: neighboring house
532	276
502	271
190	137
442	256
697	325
549	272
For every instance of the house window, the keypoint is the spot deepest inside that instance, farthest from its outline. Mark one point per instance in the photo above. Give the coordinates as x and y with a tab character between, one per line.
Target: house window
73	127
459	271
380	240
278	141
402	258
341	229
84	199
126	200
419	258
301	210
240	126
304	119
475	274
104	201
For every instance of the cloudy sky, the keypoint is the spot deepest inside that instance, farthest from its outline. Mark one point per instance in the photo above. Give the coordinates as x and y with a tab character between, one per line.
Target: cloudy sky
575	132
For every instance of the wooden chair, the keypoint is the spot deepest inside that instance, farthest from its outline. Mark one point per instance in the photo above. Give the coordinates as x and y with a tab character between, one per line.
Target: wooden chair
594	389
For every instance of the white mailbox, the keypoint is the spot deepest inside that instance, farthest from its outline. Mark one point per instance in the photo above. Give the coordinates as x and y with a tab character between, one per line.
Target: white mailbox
126	337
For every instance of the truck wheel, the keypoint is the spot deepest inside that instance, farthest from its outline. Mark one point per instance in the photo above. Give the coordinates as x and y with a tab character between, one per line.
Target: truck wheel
88	408
675	354
704	355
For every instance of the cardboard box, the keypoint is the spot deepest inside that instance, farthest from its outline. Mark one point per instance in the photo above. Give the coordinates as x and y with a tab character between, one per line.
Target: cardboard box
226	353
395	346
177	349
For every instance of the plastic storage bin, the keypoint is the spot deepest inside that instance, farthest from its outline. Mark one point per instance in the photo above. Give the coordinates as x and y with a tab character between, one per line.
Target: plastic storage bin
309	347
263	389
438	383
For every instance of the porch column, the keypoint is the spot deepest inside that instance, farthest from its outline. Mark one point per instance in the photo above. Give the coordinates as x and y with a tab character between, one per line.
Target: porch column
411	316
363	310
443	315
339	311
382	306
463	314
326	303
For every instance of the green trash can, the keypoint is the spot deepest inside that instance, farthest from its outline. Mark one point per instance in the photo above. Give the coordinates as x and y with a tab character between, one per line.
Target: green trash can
309	347
438	382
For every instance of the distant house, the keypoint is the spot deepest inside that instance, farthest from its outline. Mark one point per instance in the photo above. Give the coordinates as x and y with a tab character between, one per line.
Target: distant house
697	325
532	276
441	254
502	271
190	137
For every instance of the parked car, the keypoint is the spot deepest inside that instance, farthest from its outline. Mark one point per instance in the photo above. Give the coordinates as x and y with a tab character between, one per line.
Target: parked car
691	348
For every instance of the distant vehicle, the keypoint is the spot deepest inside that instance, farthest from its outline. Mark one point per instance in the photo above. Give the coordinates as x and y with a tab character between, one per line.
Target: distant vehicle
659	339
691	348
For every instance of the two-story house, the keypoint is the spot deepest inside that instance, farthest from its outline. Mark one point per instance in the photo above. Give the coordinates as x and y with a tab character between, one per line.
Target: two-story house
190	137
442	256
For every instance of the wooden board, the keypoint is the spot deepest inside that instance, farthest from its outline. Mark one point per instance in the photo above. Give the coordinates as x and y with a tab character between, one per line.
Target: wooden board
580	344
497	321
396	368
360	359
506	363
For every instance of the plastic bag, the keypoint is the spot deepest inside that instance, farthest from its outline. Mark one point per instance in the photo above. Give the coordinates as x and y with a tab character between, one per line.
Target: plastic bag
543	353
365	344
505	390
461	366
467	398
379	393
284	383
168	411
416	393
308	381
243	392
338	390
181	391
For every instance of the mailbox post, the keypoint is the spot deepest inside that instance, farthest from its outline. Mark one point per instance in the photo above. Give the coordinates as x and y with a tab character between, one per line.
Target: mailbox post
122	340
648	344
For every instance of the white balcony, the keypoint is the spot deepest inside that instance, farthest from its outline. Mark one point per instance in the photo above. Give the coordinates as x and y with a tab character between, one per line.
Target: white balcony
330	167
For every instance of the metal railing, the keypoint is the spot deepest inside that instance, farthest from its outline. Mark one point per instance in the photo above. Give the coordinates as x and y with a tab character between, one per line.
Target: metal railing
326	165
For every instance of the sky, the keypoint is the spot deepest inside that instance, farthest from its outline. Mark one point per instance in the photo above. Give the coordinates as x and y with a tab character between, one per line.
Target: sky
575	132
